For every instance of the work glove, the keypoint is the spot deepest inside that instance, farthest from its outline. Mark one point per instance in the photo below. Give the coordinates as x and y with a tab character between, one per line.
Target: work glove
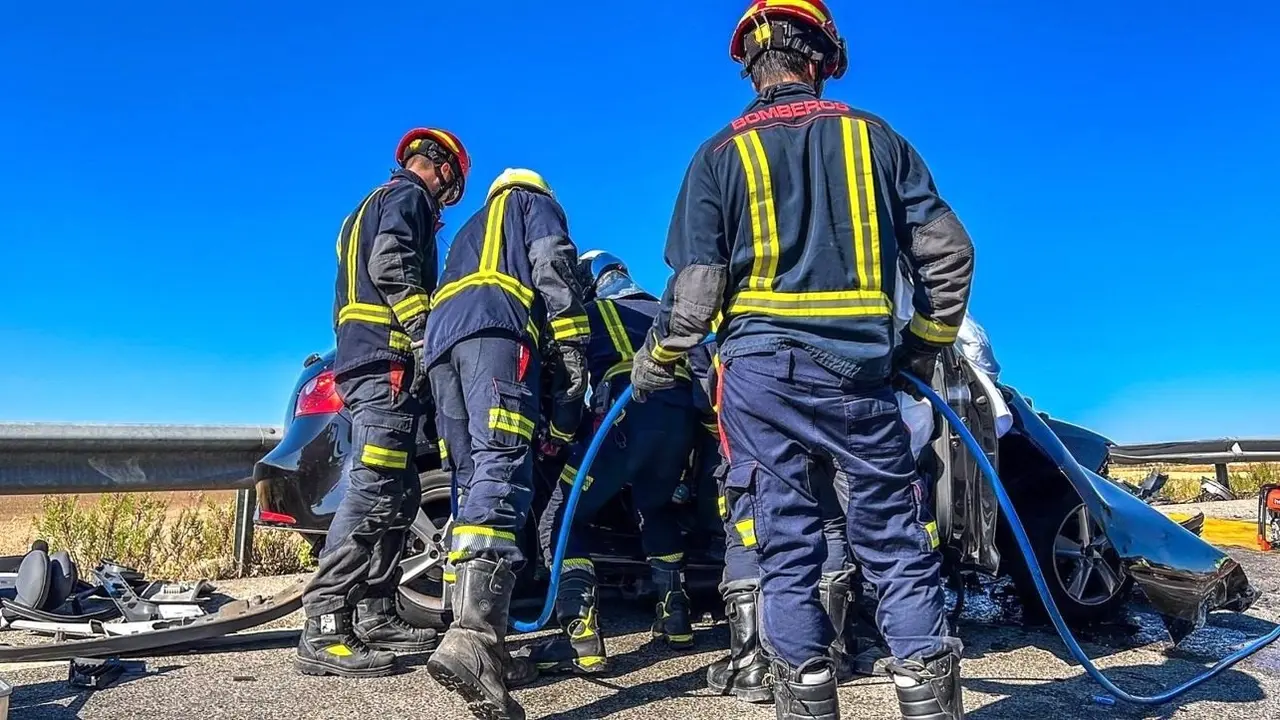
649	375
421	387
571	380
917	357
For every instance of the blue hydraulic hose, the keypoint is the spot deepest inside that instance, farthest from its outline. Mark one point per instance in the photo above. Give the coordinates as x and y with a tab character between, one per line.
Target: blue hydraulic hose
1037	575
571	506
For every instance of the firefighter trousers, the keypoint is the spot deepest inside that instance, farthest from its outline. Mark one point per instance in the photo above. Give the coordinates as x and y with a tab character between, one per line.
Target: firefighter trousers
366	538
486	389
800	437
647	449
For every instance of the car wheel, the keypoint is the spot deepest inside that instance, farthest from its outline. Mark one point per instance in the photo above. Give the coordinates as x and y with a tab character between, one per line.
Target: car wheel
421	596
1084	573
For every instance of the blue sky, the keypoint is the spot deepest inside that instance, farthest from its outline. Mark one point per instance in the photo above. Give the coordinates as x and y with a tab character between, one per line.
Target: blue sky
173	176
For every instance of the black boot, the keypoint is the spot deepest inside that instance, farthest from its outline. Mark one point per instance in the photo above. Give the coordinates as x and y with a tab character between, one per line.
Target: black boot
329	646
744	674
580	647
834	592
381	628
672	623
472	659
929	691
796	697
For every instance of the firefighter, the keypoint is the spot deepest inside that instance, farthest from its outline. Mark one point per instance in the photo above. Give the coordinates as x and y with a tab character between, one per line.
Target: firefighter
647	448
386	271
790	222
508	275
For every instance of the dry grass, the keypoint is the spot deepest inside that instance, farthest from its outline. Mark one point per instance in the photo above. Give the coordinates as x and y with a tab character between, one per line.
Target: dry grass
1184	480
144	531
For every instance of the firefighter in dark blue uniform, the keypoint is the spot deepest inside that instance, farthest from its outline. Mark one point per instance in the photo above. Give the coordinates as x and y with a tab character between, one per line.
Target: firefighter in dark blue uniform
647	449
386	271
509	274
790	222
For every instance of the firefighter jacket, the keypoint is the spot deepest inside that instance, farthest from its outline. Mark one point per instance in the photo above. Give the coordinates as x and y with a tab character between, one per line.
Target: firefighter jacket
790	223
618	329
510	269
386	272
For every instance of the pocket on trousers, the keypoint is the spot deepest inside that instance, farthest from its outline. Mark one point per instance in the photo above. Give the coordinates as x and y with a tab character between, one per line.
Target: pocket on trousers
740	503
385	439
875	428
511	415
922	502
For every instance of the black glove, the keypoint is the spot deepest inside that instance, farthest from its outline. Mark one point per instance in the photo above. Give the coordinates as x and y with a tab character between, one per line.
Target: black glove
420	387
917	357
571	380
649	375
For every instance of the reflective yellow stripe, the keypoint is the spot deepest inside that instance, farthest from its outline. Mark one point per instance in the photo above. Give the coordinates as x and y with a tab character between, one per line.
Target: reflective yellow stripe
559	434
480	279
365	312
471	538
747	530
492	250
617	331
933	331
665	356
569	474
512	422
566	328
835	303
534	335
449	577
764	222
871	216
723	503
375	456
931	529
339	650
353	245
579	564
400	341
411	307
712	427
444	449
672	558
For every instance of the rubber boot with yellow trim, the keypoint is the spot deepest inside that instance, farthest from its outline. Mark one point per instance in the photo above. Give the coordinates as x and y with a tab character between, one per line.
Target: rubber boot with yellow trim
579	647
329	646
672	623
472	659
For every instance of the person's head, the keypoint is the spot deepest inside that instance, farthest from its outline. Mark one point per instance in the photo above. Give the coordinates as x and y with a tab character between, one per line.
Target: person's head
603	275
779	41
439	159
521	178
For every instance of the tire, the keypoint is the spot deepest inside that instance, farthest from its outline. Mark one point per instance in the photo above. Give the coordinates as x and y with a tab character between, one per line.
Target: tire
420	601
1084	574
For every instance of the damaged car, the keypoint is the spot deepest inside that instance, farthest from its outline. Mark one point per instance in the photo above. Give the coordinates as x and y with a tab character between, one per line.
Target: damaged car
1095	539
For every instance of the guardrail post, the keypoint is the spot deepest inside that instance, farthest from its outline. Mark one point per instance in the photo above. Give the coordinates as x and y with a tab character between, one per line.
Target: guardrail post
243	542
1220	474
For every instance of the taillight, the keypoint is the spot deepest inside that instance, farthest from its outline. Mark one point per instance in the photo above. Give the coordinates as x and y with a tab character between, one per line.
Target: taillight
274	517
319	396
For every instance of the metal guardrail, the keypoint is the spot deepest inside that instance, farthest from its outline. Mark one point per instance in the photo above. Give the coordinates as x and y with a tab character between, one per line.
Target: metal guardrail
50	459
1218	453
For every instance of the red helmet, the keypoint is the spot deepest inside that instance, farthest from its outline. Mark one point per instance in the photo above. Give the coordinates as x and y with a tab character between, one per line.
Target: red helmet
411	141
813	13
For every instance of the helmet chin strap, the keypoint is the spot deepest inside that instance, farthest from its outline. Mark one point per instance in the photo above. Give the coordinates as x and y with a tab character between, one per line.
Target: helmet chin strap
444	190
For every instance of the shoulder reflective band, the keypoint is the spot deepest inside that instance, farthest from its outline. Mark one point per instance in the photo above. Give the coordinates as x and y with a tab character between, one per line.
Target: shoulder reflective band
490	255
508	421
933	331
566	328
764	222
617	331
862	202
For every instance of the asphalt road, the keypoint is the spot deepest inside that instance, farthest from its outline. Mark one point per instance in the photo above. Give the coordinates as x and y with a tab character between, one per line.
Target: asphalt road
1010	672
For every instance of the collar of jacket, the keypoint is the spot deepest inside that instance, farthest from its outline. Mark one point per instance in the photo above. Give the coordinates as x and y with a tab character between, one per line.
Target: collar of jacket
412	177
774	94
